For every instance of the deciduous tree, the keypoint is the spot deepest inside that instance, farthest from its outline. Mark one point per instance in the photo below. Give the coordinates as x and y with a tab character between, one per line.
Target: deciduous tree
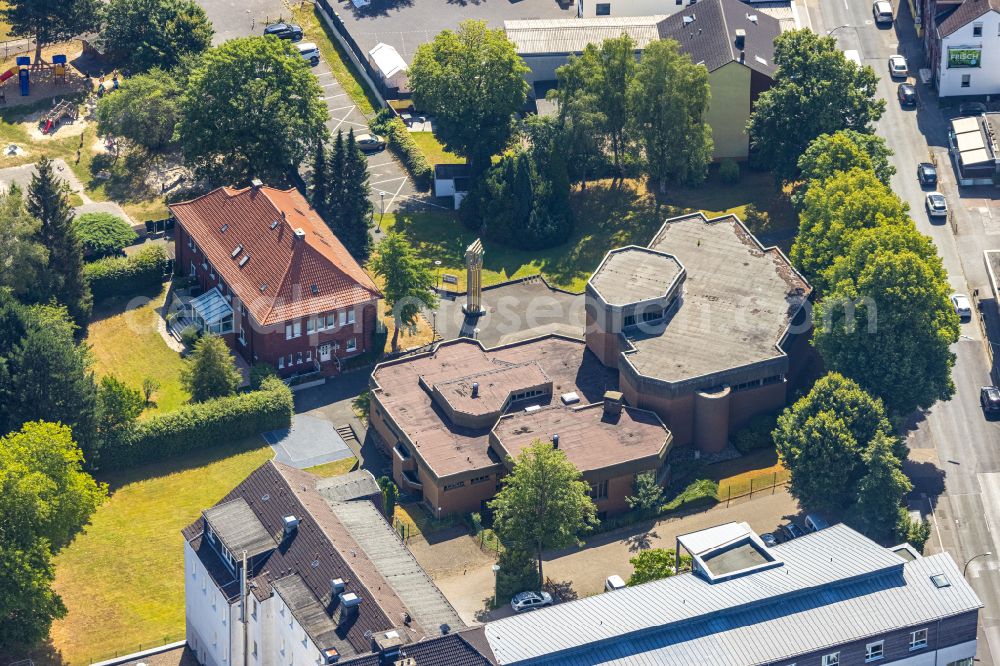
833	210
472	81
155	33
50	21
881	490
62	279
845	150
654	564
544	503
669	97
648	495
143	112
103	234
816	91
252	108
28	604
22	257
210	371
118	405
408	281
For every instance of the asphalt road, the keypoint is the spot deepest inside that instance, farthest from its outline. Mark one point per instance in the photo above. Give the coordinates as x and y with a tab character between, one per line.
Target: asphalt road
952	439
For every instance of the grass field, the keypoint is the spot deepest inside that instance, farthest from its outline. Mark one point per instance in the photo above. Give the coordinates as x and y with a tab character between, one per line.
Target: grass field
752	472
335	468
315	30
122	579
126	343
433	150
607	216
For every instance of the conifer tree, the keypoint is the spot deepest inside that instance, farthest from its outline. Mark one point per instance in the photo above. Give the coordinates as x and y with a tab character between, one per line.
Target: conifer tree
354	220
320	194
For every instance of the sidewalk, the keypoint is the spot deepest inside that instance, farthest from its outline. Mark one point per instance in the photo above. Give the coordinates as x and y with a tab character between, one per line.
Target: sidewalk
605	554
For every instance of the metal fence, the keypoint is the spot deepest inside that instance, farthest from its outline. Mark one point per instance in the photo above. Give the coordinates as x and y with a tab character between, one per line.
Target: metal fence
15	47
756	484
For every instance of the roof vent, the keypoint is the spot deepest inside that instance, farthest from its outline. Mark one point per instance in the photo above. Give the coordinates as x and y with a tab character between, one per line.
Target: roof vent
224	227
741	37
688	20
239	248
336	586
613	403
291	524
531	409
752	18
940	580
555	441
257	183
475	389
244	259
300	233
760	60
347	609
275	223
314	289
743	56
570	398
263	286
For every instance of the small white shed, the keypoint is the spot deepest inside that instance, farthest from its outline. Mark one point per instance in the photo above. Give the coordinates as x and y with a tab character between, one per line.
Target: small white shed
390	67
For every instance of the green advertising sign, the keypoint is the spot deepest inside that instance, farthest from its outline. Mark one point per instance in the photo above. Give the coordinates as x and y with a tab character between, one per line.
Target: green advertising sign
964	57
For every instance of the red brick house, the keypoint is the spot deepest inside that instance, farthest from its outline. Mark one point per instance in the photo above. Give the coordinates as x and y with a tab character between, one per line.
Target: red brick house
278	285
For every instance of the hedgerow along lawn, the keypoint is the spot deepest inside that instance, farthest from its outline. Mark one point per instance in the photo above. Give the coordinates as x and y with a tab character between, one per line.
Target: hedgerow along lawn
125	342
122	578
607	216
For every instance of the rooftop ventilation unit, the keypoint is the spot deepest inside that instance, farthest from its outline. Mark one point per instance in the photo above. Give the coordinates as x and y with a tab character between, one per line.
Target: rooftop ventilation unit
555	441
475	389
752	18
239	248
688	20
257	183
336	586
244	259
531	409
275	223
263	287
570	398
300	233
613	403
291	524
314	289
224	227
348	607
741	37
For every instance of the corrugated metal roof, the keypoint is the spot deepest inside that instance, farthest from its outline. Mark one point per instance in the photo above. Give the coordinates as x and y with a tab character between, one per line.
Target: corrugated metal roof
536	36
835	586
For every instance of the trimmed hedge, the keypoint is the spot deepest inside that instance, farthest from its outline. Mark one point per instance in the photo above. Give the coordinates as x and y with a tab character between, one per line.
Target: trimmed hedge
124	276
387	123
756	434
103	234
200	426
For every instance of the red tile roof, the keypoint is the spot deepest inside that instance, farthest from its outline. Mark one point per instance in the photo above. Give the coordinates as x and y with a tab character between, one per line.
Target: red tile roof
227	218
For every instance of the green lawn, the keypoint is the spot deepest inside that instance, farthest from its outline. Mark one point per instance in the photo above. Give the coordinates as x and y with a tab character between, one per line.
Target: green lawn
122	579
607	216
433	150
125	342
335	468
315	30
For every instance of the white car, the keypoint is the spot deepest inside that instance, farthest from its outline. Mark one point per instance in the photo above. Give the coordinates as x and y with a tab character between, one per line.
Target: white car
936	204
882	11
962	305
526	601
897	67
309	52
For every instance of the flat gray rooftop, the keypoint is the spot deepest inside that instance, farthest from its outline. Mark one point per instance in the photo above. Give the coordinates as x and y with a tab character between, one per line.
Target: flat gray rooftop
738	300
239	529
346	487
635	274
737	558
515	311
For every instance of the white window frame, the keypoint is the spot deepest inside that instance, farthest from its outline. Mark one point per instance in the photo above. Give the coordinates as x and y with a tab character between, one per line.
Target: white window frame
832	659
309	356
352	345
966	81
977	26
194	269
343	317
281	362
310	325
874	651
296	329
288	331
243	336
331	320
298	358
350	316
918	643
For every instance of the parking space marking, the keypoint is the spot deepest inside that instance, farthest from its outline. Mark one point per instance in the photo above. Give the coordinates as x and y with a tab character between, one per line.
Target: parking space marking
341	108
388	180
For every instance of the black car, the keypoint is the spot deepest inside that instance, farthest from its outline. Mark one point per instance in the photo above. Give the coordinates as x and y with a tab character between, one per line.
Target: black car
284	31
989	398
907	94
971	109
791	531
927	174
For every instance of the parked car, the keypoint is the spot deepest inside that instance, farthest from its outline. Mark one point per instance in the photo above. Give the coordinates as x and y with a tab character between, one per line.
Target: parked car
927	174
936	204
882	11
370	143
284	31
309	52
971	109
897	67
963	307
791	531
815	522
526	601
989	399
613	582
907	94
768	539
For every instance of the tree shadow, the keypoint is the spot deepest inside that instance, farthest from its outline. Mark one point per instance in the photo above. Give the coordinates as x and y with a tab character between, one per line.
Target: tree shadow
561	591
42	654
640	541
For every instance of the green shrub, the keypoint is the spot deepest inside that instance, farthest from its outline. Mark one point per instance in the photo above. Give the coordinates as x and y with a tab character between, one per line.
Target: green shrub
125	276
190	335
201	425
259	372
699	492
387	124
729	172
756	220
756	434
103	234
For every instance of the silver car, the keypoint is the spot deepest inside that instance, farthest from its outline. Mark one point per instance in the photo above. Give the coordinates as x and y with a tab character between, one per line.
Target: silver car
936	204
526	601
962	305
898	67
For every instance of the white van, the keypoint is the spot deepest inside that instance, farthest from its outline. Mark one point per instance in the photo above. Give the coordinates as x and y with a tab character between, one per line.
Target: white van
309	52
853	56
613	582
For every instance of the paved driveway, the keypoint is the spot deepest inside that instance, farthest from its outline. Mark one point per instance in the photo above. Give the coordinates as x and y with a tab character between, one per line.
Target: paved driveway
310	441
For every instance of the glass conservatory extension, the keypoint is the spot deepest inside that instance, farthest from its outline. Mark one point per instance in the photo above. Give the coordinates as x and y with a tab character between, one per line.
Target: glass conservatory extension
212	313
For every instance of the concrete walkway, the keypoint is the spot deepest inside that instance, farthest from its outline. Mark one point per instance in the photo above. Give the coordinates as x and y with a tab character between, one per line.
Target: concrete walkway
21	175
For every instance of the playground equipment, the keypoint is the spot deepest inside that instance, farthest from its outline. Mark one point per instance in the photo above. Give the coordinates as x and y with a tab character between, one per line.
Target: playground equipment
56	69
60	110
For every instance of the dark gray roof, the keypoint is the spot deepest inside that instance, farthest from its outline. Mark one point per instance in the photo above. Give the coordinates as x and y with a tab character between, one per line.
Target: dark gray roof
967	12
467	648
238	528
635	274
310	615
711	37
359	484
451	171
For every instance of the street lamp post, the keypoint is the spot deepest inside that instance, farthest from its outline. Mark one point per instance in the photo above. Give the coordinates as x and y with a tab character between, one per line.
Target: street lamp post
437	267
986	554
833	30
381	214
496	584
